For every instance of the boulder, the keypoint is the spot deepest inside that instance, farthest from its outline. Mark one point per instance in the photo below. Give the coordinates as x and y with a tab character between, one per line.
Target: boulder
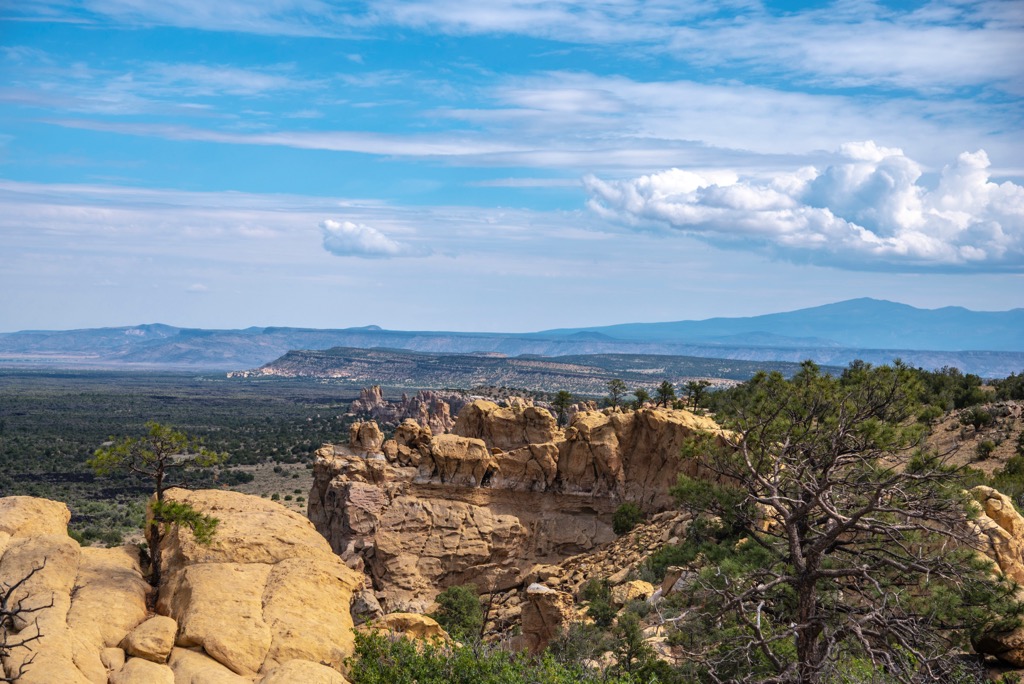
142	671
267	589
366	437
409	625
365	607
634	590
152	640
545	613
195	667
112	658
304	672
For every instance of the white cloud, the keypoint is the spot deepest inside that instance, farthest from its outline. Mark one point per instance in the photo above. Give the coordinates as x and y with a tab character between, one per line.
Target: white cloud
867	211
345	238
197	288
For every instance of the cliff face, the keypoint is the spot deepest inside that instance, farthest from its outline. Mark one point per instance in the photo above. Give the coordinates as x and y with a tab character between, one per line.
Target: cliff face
266	601
506	490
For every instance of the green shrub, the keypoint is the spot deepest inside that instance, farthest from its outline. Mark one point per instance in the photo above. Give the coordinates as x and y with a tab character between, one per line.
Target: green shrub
977	418
275	497
598	594
459	612
627	516
985	449
380	659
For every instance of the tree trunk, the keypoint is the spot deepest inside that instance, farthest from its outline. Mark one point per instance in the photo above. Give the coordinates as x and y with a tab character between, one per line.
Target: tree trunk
808	634
155	542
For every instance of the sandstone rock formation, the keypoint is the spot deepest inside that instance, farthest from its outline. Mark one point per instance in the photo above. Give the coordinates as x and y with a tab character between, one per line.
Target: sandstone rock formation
544	615
428	408
89	598
409	625
265	600
505	491
265	591
1001	537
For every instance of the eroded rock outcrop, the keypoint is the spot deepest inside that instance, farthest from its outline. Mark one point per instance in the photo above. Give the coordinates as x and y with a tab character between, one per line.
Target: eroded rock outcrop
1001	537
545	614
428	408
265	599
506	490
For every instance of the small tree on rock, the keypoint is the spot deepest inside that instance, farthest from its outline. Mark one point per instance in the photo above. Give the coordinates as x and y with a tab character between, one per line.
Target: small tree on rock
562	402
695	390
616	388
642	397
666	392
161	453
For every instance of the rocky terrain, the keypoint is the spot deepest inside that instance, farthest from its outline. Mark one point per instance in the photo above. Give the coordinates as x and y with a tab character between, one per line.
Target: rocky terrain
267	601
507	501
505	491
435	410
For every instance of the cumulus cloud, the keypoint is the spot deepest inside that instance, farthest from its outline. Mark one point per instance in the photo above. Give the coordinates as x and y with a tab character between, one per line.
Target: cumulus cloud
867	211
344	238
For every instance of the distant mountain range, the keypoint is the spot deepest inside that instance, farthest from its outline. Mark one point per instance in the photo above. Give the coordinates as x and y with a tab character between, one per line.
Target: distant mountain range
987	343
856	323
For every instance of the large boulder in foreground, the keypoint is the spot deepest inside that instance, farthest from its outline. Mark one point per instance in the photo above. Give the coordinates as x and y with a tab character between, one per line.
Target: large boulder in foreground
88	599
266	600
266	591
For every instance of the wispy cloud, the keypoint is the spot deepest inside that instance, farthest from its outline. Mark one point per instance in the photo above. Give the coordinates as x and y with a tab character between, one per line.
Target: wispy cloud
866	211
41	80
348	239
940	44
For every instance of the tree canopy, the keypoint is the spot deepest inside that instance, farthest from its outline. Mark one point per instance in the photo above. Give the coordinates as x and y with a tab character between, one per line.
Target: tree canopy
161	453
837	541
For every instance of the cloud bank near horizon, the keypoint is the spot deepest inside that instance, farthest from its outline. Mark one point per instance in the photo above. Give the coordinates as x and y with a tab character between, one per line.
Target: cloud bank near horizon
867	211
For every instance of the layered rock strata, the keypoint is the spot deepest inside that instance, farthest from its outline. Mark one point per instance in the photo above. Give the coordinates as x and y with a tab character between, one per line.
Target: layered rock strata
506	490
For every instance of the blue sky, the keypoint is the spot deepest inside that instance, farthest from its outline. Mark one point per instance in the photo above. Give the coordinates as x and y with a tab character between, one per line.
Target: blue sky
504	165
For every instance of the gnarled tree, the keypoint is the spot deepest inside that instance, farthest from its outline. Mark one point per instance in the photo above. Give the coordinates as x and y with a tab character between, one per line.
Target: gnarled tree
837	543
15	616
160	454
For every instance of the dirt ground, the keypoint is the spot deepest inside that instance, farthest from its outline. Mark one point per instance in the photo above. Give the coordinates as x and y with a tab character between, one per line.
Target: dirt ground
291	484
961	442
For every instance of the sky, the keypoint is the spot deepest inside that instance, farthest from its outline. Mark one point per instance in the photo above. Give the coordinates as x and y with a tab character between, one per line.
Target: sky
504	165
